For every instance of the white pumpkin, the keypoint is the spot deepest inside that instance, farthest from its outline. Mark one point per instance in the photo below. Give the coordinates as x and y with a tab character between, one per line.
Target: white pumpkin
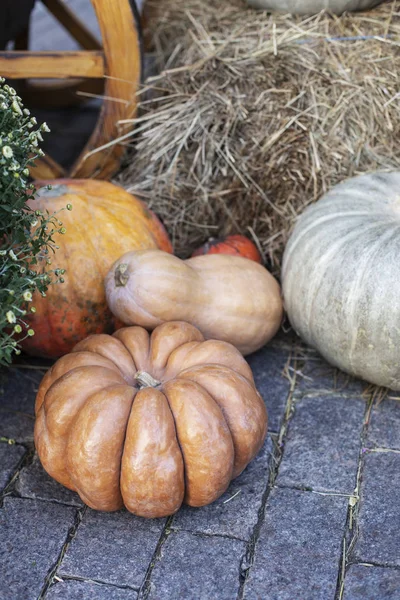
307	7
341	277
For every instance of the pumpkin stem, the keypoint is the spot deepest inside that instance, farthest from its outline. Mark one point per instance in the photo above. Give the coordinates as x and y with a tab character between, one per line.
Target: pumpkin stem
120	275
146	380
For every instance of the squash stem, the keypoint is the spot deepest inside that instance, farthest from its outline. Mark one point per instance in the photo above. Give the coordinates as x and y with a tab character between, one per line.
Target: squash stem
120	275
146	380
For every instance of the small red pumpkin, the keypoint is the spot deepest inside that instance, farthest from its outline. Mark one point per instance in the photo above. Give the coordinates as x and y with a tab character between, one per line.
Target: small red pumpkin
237	245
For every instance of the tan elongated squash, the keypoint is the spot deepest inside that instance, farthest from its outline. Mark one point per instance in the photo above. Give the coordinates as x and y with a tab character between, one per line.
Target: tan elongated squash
228	298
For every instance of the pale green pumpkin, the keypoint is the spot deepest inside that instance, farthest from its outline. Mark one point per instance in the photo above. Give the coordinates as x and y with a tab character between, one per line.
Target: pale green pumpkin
305	7
341	277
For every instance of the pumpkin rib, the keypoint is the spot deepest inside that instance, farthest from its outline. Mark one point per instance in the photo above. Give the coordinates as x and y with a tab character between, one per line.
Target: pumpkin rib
253	415
125	335
324	260
215	446
173	366
44	448
72	277
241	366
356	285
114	350
140	217
316	223
172	335
106	411
152	465
58	437
80	227
78	356
72	372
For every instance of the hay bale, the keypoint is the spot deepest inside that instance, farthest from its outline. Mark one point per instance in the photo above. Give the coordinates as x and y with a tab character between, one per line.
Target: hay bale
256	115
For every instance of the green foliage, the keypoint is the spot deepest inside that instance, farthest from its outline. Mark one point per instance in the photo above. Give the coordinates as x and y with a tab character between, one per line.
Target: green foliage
26	235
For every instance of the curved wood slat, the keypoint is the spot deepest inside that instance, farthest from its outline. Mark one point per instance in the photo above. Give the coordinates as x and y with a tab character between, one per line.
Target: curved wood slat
25	64
72	24
122	50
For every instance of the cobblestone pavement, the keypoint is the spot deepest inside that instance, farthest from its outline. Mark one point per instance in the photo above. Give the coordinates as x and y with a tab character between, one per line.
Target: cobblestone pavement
315	516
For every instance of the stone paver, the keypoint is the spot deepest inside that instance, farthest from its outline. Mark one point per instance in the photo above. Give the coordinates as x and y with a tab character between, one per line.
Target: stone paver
197	567
384	429
33	482
207	551
371	583
298	552
379	515
316	374
32	535
18	388
88	590
268	365
323	443
10	456
121	548
236	512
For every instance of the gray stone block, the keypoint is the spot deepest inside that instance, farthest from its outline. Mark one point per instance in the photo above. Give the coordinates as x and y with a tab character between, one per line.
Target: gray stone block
267	365
32	536
34	482
236	512
121	548
379	515
10	456
18	390
88	590
371	583
322	447
314	373
197	567
384	429
298	552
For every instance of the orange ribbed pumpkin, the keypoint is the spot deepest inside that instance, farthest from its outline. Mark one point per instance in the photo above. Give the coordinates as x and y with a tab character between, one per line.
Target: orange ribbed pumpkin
105	222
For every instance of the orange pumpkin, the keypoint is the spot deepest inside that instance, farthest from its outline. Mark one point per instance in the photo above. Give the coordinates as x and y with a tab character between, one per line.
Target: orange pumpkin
236	245
105	222
148	422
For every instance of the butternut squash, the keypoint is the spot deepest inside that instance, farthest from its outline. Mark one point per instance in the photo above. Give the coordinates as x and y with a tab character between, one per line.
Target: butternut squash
228	298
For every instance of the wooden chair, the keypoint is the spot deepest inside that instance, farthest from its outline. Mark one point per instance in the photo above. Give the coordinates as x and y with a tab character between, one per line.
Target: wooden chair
112	69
